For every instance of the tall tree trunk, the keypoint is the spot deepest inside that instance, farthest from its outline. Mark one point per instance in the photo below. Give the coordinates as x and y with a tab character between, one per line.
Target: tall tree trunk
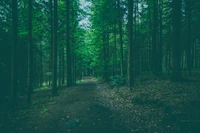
130	44
73	42
108	53
105	57
74	62
63	67
154	39
160	46
149	39
51	41
1	87
14	66
189	63
136	54
176	51
115	52
60	68
54	77
68	46
41	67
121	41
30	53
34	71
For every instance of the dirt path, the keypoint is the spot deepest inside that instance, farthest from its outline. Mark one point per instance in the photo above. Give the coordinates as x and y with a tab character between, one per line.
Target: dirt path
75	110
92	107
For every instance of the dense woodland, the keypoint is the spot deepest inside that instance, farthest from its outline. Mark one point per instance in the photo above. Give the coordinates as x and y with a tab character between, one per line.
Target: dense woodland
44	43
53	44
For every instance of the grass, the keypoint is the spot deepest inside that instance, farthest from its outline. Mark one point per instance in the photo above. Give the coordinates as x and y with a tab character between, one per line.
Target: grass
97	78
79	81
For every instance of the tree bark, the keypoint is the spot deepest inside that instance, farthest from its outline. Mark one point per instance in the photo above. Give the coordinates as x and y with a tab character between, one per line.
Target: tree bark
115	52
176	52
160	46
105	57
30	53
154	39
14	66
54	77
189	62
63	67
51	41
68	46
130	44
121	41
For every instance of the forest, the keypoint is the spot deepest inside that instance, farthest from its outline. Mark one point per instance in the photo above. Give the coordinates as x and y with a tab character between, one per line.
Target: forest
99	66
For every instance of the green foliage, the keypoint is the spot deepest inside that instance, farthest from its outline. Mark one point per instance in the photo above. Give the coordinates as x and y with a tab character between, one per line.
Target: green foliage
117	80
79	81
44	110
48	73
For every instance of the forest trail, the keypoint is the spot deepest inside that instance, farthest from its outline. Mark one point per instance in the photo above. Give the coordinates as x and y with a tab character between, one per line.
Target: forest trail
93	107
75	110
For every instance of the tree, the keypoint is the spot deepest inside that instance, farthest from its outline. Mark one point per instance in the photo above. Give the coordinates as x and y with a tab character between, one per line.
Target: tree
189	63
14	66
51	40
154	39
68	46
160	46
54	77
30	52
176	51
130	68
121	41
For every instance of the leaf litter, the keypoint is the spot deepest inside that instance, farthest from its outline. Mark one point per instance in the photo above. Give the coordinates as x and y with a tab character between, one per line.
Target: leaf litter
155	105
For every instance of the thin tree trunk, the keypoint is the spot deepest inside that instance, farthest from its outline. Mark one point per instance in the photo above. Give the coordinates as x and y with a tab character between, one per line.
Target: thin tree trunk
189	63
135	53
121	41
30	52
105	57
154	40
60	69
51	41
130	44
63	67
54	77
68	47
114	52
14	66
160	47
41	68
149	40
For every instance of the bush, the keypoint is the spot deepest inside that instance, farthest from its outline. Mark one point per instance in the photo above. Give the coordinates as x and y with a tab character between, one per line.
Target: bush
117	80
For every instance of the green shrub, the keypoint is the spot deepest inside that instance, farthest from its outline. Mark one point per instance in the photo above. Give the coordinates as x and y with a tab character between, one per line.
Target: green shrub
117	80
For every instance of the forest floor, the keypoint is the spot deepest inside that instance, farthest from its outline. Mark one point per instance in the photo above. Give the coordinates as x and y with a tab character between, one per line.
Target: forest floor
154	106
